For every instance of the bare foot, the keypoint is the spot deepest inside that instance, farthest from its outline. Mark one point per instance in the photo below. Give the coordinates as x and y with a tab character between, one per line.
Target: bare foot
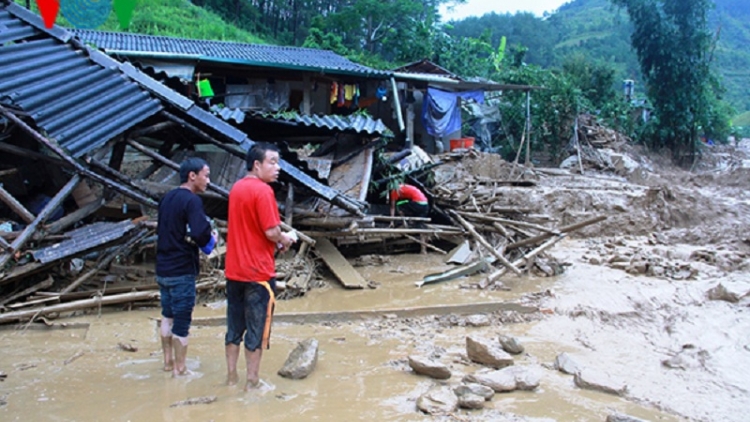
181	372
232	378
252	384
168	367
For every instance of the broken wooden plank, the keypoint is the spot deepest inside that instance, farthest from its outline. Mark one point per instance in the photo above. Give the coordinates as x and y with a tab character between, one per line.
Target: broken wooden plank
344	272
16	206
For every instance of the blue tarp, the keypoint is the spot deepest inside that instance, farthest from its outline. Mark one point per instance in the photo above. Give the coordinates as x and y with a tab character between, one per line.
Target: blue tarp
441	114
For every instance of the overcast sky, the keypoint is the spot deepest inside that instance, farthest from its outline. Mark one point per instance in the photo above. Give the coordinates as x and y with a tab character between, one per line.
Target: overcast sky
480	7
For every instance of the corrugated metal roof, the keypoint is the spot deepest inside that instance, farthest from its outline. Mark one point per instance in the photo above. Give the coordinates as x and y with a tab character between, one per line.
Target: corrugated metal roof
79	103
83	239
357	123
226	51
83	98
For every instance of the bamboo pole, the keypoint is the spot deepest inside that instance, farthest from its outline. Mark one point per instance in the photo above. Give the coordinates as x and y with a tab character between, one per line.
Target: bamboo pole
492	277
426	245
78	305
482	241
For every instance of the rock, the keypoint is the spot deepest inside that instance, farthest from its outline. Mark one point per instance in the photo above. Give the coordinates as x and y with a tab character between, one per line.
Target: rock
476	389
689	357
439	400
478	321
510	345
506	379
301	361
595	261
721	292
564	363
619	417
470	401
428	367
487	353
591	380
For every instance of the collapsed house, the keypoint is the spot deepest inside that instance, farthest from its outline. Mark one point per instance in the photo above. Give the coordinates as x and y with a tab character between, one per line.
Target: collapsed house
91	142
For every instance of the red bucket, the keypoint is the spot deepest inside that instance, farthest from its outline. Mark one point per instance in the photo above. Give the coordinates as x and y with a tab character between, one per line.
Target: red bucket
466	142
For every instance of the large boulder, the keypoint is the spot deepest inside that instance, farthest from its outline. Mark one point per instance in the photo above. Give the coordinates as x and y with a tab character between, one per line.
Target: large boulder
487	352
301	361
429	367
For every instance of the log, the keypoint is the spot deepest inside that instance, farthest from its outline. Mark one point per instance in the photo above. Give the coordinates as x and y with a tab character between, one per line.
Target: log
78	305
483	217
482	241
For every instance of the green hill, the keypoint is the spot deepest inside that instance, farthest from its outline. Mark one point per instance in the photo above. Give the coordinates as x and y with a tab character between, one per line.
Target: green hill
177	18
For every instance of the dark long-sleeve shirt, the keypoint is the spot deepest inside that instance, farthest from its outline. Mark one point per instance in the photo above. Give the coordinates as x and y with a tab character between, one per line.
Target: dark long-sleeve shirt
178	210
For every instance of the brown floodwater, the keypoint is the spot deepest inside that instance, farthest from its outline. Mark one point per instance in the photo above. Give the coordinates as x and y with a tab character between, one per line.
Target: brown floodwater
79	373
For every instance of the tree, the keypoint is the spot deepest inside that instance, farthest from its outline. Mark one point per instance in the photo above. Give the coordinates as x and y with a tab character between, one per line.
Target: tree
672	42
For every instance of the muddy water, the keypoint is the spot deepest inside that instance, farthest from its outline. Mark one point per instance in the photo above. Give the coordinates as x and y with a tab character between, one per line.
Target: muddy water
79	373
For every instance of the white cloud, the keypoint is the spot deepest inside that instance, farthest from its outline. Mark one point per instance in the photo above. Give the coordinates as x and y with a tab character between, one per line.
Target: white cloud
480	7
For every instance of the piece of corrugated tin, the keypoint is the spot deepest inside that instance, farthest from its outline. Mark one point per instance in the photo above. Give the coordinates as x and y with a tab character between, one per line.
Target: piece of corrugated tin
83	239
357	123
77	102
225	51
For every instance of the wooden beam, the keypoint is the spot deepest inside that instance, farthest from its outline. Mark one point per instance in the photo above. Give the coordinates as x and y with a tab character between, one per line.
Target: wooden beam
16	206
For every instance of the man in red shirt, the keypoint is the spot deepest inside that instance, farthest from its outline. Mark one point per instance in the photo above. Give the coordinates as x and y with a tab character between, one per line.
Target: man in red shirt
409	200
253	235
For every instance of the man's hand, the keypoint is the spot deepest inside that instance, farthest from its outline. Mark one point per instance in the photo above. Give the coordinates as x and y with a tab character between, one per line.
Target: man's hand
287	240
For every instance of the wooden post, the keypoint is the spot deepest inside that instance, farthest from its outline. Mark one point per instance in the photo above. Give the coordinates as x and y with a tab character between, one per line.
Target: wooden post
16	206
306	94
289	204
41	218
528	127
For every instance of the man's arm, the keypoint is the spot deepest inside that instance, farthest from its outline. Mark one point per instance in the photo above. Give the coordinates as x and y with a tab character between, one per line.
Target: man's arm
275	235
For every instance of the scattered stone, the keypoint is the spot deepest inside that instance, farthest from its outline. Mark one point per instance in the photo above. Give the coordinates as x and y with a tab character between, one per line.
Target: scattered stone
428	367
507	379
619	417
589	379
439	400
478	321
595	261
127	347
721	292
470	401
689	357
488	353
510	345
194	400
301	361
564	363
475	389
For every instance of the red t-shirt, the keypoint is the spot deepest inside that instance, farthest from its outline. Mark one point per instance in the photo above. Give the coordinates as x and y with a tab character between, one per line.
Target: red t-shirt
252	211
408	192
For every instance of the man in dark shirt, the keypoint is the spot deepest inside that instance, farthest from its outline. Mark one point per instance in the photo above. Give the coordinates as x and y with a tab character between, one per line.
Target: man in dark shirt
182	228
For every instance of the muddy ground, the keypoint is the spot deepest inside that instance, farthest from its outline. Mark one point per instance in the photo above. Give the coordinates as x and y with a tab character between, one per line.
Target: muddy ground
655	299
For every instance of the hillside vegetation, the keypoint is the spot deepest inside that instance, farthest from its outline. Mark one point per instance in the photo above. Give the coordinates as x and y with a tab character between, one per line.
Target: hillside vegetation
177	18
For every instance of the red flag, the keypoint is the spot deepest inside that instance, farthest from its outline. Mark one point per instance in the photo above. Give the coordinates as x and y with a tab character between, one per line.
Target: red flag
48	9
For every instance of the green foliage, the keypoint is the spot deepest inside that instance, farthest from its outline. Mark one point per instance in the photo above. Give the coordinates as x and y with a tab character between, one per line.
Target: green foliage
325	41
177	18
672	43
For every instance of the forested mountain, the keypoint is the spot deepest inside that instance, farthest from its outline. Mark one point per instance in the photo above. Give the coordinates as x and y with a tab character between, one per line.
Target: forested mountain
601	32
